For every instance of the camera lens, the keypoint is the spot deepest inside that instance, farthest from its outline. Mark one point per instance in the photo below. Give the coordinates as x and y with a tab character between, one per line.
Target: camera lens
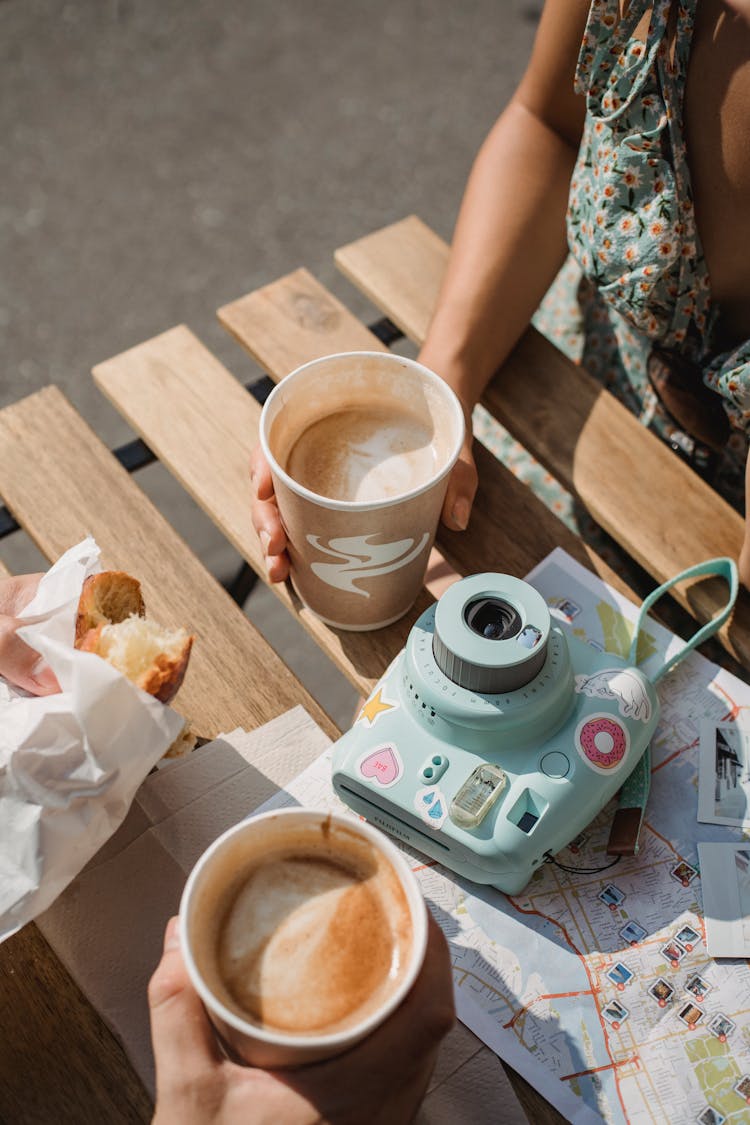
492	618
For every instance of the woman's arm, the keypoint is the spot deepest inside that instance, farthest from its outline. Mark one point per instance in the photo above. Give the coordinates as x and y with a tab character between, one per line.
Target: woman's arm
510	237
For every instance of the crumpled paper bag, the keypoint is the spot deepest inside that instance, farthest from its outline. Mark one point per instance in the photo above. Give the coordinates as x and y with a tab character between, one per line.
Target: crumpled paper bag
70	763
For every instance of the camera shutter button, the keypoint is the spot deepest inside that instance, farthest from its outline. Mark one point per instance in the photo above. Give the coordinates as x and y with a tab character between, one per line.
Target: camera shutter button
555	764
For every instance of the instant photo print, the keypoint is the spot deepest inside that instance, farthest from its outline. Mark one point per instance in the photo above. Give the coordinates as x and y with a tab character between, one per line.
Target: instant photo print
724	775
721	1027
725	882
688	937
711	1116
615	1013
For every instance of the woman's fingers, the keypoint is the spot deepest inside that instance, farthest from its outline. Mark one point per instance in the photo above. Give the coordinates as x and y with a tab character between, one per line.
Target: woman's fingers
267	523
21	665
183	1040
459	498
266	518
260	474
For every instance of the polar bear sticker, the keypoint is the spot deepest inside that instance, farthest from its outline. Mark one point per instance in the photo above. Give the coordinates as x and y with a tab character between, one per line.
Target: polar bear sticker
622	684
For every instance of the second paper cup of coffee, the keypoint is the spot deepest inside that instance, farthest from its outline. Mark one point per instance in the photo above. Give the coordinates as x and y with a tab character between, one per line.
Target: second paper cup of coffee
360	446
302	931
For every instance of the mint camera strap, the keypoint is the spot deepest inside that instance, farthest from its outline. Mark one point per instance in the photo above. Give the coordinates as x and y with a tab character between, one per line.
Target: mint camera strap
626	825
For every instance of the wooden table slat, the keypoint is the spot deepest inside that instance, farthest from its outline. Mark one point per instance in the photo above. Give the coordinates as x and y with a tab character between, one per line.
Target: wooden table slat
292	321
61	483
664	515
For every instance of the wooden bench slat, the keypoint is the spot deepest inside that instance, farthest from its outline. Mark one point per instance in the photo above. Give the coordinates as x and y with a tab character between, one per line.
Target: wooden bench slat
61	483
292	321
400	268
658	509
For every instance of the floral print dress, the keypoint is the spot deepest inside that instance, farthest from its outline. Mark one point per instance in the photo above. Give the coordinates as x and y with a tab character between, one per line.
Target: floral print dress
636	276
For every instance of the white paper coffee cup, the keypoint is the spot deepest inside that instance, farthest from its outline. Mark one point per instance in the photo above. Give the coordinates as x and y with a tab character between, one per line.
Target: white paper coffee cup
360	563
206	893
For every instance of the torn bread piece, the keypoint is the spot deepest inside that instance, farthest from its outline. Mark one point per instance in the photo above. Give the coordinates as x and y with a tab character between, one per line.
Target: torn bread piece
111	622
106	599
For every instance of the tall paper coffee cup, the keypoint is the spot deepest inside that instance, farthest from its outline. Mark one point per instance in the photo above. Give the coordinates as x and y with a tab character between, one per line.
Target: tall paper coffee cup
304	946
360	446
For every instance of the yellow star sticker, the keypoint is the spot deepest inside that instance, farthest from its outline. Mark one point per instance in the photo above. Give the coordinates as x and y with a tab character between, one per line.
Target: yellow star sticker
375	706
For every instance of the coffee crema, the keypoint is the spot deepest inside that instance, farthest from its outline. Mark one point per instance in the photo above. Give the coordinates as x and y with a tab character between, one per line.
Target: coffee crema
365	452
313	940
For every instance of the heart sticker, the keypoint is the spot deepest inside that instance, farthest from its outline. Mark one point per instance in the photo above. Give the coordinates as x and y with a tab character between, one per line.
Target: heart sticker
383	766
431	806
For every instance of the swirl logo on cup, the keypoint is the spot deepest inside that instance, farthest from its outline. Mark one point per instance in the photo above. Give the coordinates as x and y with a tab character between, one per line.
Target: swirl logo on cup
359	558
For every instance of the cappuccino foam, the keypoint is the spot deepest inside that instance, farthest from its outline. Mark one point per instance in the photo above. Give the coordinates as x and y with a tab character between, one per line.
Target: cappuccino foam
364	453
312	941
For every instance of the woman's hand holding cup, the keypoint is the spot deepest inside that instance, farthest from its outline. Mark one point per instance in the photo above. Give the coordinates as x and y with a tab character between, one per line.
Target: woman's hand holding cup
382	1079
456	507
266	518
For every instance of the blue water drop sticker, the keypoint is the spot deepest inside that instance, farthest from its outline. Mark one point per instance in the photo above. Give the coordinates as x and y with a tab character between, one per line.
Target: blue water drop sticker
437	810
428	798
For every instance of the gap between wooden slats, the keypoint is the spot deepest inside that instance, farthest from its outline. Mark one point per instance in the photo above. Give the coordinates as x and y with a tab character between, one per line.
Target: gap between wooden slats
62	483
665	516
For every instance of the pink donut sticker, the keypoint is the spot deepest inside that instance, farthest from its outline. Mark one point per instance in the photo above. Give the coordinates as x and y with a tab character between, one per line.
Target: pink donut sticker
602	742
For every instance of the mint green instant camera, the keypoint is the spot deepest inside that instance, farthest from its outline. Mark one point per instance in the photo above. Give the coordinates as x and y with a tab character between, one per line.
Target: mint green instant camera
493	739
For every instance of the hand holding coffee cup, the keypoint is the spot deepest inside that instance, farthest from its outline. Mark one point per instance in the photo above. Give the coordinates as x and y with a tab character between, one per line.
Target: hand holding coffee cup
351	476
381	1080
302	932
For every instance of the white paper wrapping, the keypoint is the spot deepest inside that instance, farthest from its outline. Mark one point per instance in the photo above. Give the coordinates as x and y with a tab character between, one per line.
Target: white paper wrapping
70	763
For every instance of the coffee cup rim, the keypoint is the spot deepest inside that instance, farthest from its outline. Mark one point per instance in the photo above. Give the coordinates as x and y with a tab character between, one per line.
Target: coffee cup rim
362	505
355	1032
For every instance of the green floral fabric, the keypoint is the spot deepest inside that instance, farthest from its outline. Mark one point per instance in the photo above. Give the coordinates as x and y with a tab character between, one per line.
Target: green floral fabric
636	275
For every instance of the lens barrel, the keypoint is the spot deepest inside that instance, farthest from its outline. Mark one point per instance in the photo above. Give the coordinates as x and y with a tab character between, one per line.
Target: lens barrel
491	633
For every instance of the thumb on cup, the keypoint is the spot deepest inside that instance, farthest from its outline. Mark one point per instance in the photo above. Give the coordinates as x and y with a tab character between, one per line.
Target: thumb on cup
182	1036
